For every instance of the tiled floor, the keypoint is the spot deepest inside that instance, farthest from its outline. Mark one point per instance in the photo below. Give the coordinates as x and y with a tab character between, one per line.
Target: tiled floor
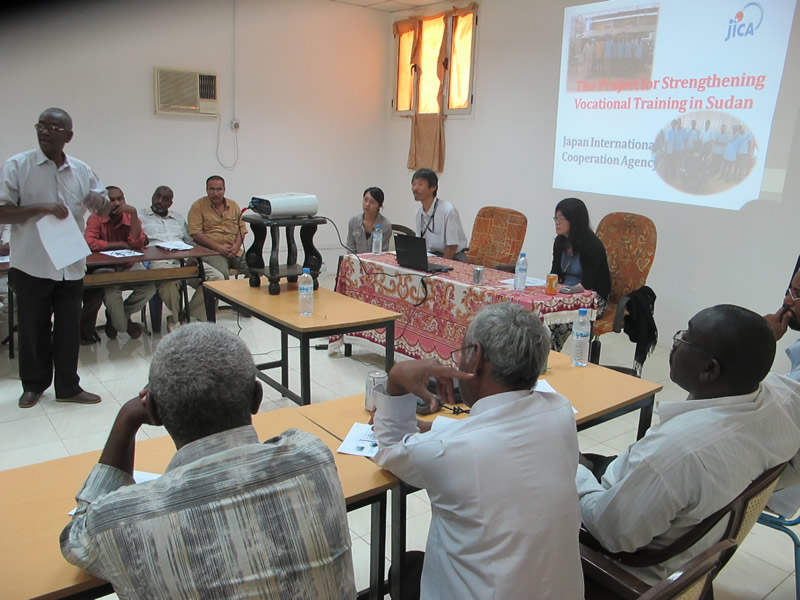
762	568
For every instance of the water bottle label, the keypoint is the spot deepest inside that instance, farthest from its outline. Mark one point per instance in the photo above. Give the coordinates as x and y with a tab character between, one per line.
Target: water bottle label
306	289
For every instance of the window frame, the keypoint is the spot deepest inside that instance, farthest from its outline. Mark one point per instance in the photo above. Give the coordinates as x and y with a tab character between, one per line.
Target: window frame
450	20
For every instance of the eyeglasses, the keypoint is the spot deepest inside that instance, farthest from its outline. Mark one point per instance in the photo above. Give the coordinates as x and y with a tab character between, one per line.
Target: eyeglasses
49	127
456	355
559	219
791	295
678	339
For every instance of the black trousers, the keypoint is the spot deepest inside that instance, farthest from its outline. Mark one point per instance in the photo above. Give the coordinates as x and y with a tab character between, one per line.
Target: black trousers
49	313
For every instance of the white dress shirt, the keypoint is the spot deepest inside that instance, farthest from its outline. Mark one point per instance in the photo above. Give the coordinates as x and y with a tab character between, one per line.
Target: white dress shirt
700	456
505	514
171	228
31	178
441	226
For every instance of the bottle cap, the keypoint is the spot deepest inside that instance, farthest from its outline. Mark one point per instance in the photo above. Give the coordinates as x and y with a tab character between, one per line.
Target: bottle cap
582	312
378	226
522	255
308	270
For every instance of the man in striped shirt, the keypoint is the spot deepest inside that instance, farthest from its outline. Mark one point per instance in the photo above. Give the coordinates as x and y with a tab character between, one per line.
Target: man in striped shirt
230	517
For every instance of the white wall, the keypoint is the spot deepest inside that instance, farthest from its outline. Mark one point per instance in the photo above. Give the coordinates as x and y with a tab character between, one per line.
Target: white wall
503	155
310	90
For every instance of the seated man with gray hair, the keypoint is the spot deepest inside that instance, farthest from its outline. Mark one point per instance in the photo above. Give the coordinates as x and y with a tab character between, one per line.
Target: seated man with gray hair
501	482
230	517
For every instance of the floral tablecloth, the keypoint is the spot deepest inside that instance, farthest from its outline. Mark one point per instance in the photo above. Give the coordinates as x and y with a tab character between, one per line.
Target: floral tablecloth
437	309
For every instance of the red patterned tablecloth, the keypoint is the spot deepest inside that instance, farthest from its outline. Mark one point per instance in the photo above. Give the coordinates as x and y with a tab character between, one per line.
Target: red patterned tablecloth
447	301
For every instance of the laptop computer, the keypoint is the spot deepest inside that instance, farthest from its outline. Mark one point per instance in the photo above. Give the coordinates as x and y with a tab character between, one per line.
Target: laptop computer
412	253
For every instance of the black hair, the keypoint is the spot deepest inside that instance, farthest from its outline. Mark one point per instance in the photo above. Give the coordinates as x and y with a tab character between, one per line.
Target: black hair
429	176
376	193
574	211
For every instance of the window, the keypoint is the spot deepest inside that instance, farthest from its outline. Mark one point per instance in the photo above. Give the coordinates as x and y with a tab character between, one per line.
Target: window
435	58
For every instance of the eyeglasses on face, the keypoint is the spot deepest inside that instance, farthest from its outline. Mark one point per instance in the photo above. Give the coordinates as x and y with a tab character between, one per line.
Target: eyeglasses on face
559	219
791	295
51	127
678	338
456	355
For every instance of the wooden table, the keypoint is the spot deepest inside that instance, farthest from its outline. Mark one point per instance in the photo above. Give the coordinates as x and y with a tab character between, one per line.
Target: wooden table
98	260
36	499
597	393
333	314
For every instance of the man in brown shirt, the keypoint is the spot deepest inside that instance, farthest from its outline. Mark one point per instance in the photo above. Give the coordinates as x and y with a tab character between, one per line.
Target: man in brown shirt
215	222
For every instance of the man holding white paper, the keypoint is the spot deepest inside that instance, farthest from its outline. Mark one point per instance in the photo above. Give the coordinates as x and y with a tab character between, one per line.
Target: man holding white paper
162	224
36	185
518	440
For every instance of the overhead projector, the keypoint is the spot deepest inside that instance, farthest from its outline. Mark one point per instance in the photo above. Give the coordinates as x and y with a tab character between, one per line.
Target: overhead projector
289	204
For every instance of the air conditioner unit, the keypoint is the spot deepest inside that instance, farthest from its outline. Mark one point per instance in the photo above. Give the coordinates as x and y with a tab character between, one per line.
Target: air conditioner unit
185	92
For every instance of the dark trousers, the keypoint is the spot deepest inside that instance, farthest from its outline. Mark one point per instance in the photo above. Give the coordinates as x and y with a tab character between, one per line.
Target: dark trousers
49	315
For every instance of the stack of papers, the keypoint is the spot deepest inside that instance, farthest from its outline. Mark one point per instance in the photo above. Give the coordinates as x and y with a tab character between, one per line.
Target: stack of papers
529	282
360	441
179	245
122	253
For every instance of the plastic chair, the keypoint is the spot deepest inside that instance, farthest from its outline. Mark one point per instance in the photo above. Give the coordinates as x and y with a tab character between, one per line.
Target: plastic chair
630	242
603	569
400	230
497	237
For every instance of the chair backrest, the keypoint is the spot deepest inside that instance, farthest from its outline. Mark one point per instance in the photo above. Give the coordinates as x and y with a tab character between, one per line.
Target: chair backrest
630	242
692	580
497	236
742	512
402	230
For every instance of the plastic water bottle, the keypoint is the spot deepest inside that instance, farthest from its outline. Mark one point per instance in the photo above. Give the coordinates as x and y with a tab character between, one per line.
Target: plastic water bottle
581	331
305	285
521	273
377	239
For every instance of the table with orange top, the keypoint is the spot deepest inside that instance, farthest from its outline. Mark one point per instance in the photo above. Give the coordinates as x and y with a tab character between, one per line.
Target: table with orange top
333	314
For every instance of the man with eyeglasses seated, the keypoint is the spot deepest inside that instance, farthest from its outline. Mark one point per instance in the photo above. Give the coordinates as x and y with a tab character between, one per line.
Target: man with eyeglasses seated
437	220
36	185
786	501
505	513
737	422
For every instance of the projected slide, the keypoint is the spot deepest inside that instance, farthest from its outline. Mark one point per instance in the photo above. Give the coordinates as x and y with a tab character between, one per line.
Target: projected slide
670	100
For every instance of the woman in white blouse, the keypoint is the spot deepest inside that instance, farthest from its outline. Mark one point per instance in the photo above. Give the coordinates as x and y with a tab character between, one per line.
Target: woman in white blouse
360	227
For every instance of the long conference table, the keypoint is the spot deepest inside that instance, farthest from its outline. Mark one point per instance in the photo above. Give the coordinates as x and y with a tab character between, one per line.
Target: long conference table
435	310
36	498
123	277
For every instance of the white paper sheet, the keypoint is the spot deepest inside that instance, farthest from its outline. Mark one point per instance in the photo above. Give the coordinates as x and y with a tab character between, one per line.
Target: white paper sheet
529	282
542	385
174	245
63	240
360	441
121	253
138	477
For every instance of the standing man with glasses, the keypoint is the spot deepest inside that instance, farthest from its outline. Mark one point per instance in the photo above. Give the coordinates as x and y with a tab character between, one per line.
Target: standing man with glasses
737	421
34	184
437	220
505	511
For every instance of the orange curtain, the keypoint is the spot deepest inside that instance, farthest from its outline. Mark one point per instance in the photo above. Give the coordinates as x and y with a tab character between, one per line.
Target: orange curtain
427	147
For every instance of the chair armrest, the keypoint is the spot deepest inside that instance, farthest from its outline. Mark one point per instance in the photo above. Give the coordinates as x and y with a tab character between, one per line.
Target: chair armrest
619	317
608	574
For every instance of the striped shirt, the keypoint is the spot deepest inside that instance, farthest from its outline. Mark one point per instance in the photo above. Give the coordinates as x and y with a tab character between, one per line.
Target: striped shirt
230	518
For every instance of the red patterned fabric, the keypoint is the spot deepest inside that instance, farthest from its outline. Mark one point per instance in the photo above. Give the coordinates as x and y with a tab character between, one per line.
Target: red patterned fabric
630	242
497	236
436	327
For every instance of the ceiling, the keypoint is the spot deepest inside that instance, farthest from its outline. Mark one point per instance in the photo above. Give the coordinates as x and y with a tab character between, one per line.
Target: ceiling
389	5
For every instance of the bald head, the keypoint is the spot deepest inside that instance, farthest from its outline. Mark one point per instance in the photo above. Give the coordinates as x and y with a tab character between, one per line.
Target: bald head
727	350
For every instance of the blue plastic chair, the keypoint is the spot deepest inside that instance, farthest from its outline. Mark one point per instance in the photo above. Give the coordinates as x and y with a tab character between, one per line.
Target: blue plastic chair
774	521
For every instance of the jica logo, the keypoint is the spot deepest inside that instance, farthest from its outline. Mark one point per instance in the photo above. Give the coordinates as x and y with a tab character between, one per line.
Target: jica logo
746	21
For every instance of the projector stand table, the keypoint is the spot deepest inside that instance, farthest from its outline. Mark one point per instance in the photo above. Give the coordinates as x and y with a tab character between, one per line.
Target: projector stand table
255	258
